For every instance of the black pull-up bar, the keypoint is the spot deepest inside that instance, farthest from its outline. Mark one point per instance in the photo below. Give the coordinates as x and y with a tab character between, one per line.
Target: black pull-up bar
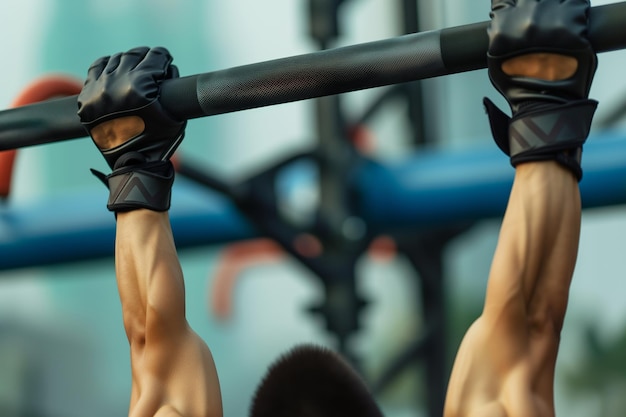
334	71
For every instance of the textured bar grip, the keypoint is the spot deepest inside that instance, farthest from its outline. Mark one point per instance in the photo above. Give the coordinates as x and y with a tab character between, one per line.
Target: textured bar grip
318	74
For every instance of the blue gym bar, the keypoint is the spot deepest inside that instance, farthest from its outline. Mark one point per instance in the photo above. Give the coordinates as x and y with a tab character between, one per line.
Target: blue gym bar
438	188
425	190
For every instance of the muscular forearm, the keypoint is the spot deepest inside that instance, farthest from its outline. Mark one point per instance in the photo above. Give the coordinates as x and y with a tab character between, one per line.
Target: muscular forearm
173	373
150	279
538	240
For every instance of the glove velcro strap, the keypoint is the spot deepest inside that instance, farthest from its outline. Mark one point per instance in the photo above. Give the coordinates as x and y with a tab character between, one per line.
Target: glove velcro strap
551	129
499	123
569	158
146	186
549	132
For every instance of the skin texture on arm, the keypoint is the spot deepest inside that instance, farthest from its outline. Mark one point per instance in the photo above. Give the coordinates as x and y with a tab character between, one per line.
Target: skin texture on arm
173	373
505	364
506	360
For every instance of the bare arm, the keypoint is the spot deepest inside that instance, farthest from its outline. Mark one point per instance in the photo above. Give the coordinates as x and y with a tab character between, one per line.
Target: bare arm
150	278
532	268
173	369
538	243
505	364
173	373
536	253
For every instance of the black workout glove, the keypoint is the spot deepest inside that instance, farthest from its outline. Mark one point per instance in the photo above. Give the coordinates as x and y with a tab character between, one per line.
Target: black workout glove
550	119
129	84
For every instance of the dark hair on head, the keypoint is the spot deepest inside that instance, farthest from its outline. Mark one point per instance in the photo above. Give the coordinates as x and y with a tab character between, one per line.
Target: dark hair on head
312	381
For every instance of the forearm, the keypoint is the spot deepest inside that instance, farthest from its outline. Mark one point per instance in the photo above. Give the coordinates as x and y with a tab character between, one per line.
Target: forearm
538	242
150	279
172	368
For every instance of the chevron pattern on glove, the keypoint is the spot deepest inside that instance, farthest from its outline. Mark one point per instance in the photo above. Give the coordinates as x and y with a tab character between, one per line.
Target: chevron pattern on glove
140	188
551	129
